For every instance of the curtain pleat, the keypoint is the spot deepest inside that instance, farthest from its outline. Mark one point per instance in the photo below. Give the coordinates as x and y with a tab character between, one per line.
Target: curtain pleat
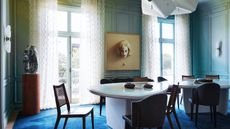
183	61
91	49
43	35
150	47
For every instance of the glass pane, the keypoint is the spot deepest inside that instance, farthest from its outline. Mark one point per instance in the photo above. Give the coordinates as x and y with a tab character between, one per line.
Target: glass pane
62	60
75	63
167	31
62	20
75	22
168	60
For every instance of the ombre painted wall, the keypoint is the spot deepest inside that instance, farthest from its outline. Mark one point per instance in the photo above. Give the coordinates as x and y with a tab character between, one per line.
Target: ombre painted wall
210	26
123	16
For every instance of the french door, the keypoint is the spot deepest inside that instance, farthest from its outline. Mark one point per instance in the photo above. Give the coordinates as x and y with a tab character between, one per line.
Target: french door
68	50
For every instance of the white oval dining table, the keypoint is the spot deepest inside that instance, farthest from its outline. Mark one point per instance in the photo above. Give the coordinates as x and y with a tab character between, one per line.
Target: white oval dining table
118	99
222	108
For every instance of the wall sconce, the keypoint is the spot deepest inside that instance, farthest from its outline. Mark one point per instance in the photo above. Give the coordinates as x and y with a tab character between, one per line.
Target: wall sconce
7	37
219	48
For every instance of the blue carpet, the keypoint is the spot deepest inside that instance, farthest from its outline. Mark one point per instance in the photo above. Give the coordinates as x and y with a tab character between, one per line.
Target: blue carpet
46	120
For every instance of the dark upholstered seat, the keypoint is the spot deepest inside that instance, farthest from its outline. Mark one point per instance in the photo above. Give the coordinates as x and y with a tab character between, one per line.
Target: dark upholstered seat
161	79
207	94
212	77
147	113
61	99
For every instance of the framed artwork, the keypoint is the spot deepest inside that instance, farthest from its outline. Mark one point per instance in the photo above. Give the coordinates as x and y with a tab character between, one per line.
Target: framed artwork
122	51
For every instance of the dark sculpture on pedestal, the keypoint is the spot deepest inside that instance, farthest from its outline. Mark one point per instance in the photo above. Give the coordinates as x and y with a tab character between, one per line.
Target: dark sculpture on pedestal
30	60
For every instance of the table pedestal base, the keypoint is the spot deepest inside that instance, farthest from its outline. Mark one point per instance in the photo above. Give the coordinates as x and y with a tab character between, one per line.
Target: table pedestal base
115	109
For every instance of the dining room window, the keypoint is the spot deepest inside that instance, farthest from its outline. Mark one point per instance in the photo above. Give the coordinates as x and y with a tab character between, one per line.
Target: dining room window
69	27
167	41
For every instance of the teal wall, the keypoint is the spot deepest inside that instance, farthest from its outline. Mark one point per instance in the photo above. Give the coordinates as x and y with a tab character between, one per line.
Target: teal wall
123	16
6	65
210	25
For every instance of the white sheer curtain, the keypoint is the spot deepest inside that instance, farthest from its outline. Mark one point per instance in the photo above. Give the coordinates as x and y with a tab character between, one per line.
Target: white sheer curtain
92	49
183	64
150	47
43	35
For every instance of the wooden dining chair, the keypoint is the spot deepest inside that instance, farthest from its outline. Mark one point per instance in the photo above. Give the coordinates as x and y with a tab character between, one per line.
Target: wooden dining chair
62	100
171	106
162	79
184	78
212	77
147	113
208	95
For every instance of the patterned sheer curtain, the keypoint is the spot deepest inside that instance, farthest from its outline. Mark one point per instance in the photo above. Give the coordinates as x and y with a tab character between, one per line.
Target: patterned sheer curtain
150	47
43	35
92	49
183	64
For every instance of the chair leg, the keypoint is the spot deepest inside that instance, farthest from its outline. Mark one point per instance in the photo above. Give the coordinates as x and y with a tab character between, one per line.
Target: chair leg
211	112
170	121
214	110
197	108
83	122
177	120
65	122
191	111
127	126
178	101
101	98
92	119
182	96
57	122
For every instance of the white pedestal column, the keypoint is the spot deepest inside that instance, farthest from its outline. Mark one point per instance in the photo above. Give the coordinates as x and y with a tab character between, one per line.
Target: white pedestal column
115	109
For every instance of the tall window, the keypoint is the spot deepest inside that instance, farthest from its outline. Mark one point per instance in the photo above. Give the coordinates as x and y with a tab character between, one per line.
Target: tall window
167	40
68	49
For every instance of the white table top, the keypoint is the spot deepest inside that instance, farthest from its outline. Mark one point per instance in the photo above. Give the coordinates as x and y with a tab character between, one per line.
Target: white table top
224	84
117	90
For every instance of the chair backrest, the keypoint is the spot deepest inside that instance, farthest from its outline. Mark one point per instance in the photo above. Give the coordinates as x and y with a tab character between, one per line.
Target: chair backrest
161	79
208	94
142	79
149	112
212	77
61	97
187	77
172	100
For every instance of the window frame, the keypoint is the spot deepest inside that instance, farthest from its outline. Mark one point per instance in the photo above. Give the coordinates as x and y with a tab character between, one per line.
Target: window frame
169	20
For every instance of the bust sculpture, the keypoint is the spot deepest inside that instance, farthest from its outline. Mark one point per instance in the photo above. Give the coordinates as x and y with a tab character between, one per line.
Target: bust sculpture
30	60
124	48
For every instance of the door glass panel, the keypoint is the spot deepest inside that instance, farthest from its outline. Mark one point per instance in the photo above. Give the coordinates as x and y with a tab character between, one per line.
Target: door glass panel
168	60
167	32
62	60
75	64
62	21
75	22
